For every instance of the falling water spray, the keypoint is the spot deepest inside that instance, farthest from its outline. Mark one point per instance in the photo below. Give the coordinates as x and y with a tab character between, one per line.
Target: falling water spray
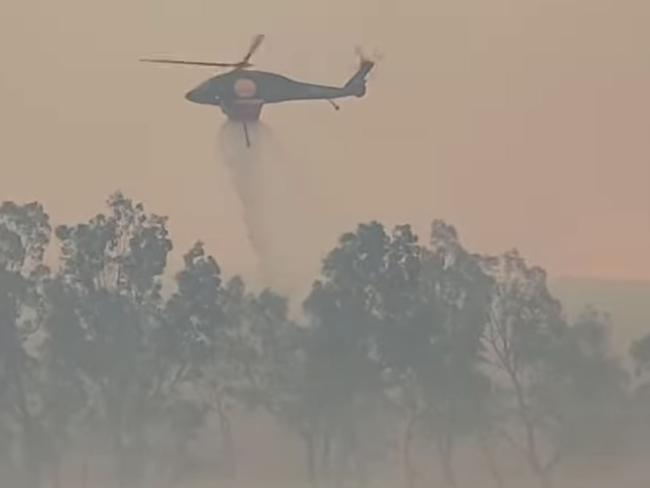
273	200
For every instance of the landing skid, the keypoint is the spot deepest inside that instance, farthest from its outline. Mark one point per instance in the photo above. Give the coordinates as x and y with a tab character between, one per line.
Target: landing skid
246	135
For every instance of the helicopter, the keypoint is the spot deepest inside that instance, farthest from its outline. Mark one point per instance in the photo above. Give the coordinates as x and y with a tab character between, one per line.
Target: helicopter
241	92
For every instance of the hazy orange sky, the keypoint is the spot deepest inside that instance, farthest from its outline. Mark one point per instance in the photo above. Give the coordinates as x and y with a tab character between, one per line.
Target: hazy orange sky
522	122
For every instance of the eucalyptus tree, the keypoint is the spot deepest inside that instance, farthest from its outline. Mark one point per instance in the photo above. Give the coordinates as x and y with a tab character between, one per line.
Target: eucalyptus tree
24	236
112	267
342	309
587	388
524	334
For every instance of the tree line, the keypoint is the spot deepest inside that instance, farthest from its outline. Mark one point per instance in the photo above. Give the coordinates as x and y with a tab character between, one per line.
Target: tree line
407	352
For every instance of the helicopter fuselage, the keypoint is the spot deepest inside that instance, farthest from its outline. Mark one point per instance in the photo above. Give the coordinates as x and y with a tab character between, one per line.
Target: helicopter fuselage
241	94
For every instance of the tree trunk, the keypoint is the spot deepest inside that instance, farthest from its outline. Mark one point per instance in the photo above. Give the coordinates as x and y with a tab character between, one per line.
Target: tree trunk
342	466
493	468
545	480
310	457
32	458
55	478
8	470
326	457
532	453
228	442
361	469
55	469
446	451
360	466
85	474
32	468
118	458
407	462
114	397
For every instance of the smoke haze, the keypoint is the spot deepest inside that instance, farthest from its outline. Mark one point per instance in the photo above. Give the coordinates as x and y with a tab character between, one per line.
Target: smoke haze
522	122
494	115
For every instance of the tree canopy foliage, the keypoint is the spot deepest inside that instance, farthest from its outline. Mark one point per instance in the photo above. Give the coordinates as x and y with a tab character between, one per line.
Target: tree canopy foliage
405	350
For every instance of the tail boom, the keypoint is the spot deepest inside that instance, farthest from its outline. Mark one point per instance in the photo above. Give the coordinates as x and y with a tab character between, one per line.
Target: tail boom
357	84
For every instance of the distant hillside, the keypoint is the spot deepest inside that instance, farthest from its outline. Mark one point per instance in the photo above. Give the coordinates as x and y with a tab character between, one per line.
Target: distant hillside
628	303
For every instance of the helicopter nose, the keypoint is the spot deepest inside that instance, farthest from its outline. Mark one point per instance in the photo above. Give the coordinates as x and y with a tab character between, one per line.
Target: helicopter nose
192	96
202	96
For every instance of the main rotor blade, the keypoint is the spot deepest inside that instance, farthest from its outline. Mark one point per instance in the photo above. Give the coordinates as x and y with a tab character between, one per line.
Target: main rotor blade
255	44
192	63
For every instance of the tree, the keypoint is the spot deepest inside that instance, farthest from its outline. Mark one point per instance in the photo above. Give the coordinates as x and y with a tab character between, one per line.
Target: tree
201	339
523	334
112	268
342	308
402	342
24	236
409	321
640	354
458	387
65	398
587	389
434	310
270	356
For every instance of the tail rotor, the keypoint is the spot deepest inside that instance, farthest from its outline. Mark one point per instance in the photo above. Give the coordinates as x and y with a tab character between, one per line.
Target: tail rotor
376	57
